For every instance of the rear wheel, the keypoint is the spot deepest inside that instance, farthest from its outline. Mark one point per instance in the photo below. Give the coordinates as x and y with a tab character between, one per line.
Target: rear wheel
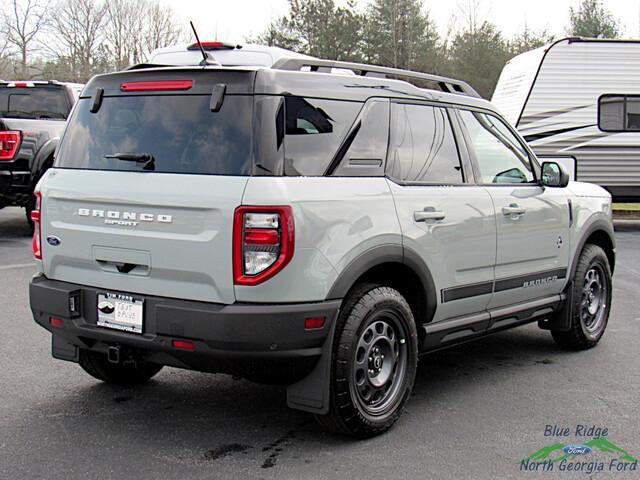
126	373
591	299
374	362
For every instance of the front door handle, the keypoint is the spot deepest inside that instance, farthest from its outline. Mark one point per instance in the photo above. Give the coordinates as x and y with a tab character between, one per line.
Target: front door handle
428	214
513	210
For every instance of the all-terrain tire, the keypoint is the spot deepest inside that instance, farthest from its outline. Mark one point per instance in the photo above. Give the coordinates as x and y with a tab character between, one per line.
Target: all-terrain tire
127	373
591	301
382	316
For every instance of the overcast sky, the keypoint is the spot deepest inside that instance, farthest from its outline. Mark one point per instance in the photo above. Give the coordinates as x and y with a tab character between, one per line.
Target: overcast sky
233	20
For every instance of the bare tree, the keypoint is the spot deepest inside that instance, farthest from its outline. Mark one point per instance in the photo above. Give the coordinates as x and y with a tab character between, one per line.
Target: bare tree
136	27
123	25
78	26
160	30
23	21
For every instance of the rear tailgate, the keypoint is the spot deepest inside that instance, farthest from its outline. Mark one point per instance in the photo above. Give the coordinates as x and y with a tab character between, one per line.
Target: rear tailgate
162	222
156	234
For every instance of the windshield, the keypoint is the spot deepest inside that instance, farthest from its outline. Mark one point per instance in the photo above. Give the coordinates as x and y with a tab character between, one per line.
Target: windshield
179	132
34	102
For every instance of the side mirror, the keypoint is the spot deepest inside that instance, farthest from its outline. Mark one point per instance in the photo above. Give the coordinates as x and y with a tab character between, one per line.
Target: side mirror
554	175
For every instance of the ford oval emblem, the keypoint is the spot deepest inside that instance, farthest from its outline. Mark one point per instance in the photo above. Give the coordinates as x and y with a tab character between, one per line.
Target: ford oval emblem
53	240
576	449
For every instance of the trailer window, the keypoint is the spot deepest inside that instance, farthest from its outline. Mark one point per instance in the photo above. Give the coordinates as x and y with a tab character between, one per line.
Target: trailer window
619	113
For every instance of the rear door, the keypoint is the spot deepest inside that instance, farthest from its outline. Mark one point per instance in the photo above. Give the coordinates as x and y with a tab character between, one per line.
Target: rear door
445	218
532	221
142	195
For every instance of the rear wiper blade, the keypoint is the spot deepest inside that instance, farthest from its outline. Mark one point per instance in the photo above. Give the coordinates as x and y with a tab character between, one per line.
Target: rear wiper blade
146	158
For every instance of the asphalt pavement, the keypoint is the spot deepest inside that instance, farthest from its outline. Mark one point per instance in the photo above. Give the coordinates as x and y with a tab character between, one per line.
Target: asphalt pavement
476	412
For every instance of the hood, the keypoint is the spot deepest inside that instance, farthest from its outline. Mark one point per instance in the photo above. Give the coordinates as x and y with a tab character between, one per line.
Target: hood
584	189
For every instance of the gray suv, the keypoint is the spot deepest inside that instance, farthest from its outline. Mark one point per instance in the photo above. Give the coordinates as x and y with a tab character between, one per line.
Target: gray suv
314	224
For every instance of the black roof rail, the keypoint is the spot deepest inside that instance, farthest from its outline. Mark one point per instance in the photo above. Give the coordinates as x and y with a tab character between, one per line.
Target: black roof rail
446	84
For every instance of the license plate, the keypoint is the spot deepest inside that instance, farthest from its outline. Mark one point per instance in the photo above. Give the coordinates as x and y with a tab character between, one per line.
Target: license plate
120	312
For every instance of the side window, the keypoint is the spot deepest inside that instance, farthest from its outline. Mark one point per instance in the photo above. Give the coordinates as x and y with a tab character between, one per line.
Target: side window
500	155
422	147
619	113
364	149
314	130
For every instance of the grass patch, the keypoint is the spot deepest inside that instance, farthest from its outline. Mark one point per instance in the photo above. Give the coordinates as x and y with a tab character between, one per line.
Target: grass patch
627	206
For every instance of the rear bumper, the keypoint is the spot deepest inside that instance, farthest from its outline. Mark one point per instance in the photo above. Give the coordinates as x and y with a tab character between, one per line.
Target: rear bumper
226	338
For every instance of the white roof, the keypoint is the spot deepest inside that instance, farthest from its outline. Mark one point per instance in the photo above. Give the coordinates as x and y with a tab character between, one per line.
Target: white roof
247	55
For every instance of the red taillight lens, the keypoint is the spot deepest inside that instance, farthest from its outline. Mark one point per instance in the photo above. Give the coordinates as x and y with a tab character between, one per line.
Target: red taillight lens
183	345
10	141
314	323
212	46
56	322
156	86
263	243
36	217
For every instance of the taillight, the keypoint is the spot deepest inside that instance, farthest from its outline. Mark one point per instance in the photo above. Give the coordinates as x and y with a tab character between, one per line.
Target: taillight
263	243
10	141
37	227
155	86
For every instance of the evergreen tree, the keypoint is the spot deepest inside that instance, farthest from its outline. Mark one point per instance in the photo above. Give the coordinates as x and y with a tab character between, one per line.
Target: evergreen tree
592	20
478	55
399	33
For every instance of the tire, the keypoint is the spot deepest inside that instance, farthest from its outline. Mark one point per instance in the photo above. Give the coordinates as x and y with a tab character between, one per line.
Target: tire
129	373
591	299
368	393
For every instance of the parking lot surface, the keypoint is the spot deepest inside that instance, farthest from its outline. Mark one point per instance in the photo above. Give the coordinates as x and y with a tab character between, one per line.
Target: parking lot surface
476	412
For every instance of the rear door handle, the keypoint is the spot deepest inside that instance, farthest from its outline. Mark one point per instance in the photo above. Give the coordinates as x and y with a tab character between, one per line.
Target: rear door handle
428	214
513	210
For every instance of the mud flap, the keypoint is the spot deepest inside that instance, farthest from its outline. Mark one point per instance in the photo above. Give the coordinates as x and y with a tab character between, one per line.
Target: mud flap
62	350
312	393
561	320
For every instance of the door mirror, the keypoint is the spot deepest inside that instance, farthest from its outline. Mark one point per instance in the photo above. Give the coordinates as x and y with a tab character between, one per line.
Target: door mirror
554	175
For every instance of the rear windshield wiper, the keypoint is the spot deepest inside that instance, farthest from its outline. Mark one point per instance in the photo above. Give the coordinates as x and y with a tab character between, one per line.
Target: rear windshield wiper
146	158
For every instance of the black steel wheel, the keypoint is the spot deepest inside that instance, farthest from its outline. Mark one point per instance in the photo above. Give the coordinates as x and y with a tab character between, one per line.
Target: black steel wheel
591	299
374	363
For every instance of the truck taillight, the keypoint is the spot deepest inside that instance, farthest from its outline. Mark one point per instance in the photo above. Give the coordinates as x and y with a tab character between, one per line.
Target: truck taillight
263	242
10	141
37	227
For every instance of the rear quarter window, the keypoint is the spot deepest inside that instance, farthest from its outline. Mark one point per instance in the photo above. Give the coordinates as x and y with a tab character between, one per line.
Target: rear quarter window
314	130
180	132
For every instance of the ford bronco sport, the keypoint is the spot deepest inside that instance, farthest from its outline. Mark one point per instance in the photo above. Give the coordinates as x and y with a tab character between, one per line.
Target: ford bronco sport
291	225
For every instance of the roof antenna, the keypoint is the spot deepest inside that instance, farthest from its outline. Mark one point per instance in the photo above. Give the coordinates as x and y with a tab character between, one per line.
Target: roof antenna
207	58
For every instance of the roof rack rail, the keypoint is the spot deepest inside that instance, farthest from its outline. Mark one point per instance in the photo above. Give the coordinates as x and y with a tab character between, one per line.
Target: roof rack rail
446	84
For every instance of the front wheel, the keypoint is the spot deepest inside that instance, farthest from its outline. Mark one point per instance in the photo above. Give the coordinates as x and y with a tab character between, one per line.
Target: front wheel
374	362
591	299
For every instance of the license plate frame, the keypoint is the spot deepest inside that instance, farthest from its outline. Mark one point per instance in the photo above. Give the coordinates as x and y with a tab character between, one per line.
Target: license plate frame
120	311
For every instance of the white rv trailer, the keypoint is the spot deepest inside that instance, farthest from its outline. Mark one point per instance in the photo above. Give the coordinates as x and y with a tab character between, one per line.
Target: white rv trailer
579	99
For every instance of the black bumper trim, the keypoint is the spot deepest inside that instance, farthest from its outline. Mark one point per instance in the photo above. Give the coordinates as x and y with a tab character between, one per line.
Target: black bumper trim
227	332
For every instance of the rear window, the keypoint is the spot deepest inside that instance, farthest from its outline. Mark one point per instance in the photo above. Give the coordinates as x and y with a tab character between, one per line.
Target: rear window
179	132
34	103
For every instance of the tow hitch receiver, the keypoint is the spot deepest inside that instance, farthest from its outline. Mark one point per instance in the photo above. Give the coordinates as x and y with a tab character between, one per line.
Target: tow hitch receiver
113	354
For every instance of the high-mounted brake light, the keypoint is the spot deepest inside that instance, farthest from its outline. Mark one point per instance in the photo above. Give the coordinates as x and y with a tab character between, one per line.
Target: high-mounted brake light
36	218
212	46
10	141
155	86
21	84
263	242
